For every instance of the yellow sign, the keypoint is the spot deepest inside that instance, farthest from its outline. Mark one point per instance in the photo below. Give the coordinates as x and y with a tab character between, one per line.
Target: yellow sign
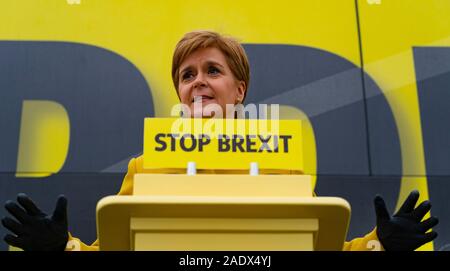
223	143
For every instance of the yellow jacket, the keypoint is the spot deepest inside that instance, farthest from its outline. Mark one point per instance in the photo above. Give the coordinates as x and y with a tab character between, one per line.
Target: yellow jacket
368	242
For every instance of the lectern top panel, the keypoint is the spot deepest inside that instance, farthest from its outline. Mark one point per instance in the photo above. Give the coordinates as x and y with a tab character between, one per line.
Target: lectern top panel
332	214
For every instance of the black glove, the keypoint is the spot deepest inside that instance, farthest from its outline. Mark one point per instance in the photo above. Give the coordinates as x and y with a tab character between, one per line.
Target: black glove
34	229
404	231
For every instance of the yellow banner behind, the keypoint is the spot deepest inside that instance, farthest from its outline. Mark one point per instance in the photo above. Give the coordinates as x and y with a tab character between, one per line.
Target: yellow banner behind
223	143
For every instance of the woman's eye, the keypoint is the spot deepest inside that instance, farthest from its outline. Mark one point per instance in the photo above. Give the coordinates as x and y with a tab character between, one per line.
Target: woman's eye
187	75
213	70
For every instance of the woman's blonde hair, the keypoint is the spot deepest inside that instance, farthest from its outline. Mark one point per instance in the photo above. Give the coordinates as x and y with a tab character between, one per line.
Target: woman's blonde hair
234	53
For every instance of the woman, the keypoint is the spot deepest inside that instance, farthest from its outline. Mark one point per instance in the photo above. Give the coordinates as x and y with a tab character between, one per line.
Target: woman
209	72
208	69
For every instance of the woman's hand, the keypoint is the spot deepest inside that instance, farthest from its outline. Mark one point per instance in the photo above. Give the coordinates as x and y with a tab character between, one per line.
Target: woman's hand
35	230
404	231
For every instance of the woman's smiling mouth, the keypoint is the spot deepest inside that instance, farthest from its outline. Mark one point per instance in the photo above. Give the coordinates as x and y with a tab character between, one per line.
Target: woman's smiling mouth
201	99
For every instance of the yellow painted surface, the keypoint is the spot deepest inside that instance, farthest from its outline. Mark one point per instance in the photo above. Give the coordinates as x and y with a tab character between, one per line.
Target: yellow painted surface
389	31
223	185
281	151
44	139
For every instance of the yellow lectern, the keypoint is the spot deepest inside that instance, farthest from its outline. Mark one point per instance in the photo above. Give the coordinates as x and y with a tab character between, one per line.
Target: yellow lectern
222	212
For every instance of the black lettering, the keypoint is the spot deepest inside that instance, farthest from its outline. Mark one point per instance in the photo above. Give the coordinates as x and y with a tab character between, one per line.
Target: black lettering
275	143
183	143
265	144
224	143
285	139
203	140
173	141
161	142
238	141
250	143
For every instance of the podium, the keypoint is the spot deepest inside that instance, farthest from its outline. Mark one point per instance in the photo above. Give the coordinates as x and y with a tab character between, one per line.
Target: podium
232	212
222	212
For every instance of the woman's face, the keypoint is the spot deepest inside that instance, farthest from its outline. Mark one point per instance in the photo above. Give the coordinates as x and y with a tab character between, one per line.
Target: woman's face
205	80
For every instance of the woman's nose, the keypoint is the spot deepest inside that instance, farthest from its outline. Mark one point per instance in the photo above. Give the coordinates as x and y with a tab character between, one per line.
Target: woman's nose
200	80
